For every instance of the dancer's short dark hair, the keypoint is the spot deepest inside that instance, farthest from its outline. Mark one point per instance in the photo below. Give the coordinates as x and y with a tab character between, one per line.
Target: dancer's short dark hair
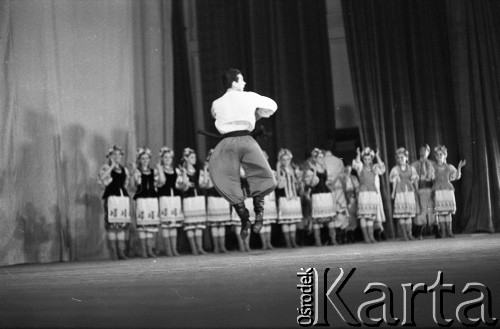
229	76
426	147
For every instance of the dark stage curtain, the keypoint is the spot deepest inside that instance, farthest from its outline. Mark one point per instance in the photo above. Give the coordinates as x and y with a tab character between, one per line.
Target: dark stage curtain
423	72
475	58
281	47
184	128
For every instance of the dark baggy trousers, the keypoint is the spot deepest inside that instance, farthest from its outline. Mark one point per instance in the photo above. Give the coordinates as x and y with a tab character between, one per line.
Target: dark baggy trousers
225	162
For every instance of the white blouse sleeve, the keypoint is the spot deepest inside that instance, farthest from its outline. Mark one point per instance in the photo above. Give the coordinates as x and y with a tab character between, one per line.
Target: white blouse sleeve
137	177
104	177
453	172
379	168
431	175
357	165
127	178
414	174
394	175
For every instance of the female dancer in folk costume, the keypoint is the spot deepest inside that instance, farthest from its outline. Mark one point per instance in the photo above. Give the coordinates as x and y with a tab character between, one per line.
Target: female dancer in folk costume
323	207
368	198
290	208
350	184
444	193
146	198
404	184
169	193
425	171
193	202
340	221
114	178
218	209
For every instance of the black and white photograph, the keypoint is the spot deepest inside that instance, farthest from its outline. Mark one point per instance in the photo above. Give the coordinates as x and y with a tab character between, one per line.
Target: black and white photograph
249	163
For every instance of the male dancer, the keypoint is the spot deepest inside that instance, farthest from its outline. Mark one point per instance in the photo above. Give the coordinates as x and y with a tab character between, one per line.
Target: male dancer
235	114
426	175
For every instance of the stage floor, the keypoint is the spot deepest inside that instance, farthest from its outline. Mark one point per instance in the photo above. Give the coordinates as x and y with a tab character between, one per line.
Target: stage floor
256	289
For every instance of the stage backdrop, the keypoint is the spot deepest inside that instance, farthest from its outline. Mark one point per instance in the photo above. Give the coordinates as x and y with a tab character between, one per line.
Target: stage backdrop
69	89
426	72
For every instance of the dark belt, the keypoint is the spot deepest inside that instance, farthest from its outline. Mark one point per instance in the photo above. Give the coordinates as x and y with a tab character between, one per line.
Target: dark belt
237	133
424	184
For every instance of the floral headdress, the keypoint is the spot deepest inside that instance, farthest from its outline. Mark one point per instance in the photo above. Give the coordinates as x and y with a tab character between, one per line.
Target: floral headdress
284	152
112	149
187	152
402	151
367	152
442	149
143	150
164	150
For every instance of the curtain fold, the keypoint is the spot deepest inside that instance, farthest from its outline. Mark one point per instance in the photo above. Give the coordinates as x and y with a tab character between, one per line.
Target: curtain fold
153	73
423	73
184	128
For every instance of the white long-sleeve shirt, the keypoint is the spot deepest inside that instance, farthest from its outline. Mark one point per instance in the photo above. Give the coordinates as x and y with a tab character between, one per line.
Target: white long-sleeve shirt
235	110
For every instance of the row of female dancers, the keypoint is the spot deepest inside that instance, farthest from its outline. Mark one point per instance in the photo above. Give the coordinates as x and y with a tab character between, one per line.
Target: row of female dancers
322	193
